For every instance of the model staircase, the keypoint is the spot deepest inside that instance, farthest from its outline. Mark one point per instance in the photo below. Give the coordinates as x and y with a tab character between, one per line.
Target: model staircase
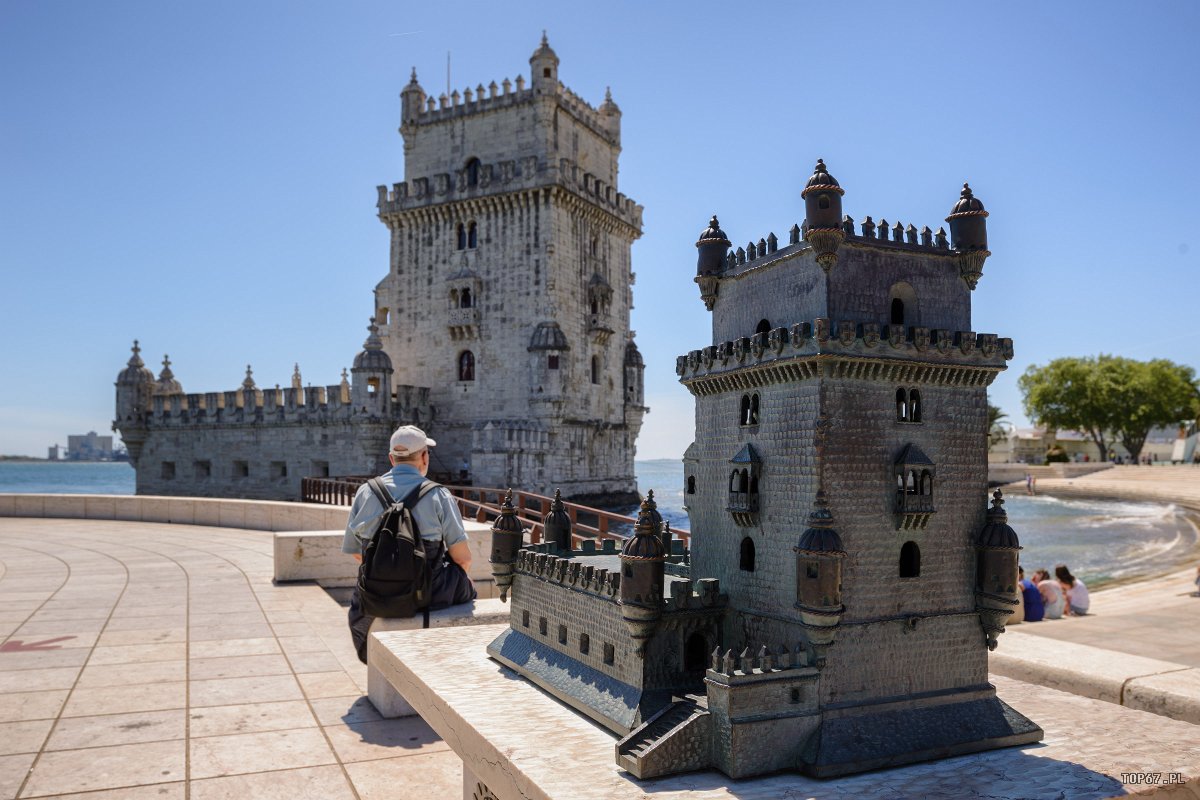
633	749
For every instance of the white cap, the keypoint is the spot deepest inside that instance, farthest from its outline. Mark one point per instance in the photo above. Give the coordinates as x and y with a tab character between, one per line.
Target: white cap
410	439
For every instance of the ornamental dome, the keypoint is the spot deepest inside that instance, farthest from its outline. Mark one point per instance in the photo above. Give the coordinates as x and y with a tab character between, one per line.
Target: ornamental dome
968	205
135	372
556	525
711	246
713	234
372	355
645	544
820	538
633	356
544	52
821	179
166	384
508	521
996	534
548	336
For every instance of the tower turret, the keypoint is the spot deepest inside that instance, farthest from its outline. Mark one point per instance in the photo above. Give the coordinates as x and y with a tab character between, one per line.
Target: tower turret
371	384
556	527
823	210
819	556
996	571
712	246
968	235
544	67
412	99
135	387
611	113
635	368
642	557
167	385
507	537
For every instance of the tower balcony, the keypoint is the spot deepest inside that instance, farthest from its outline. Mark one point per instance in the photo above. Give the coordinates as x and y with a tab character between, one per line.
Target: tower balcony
463	323
599	328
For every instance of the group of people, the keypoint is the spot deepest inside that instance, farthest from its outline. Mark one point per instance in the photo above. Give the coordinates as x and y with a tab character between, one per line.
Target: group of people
1046	596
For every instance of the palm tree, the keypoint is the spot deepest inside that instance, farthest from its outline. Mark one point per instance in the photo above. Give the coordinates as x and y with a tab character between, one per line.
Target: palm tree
997	425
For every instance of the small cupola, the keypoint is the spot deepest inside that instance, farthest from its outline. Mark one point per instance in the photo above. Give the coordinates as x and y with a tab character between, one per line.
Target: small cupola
166	384
823	215
968	235
819	556
372	355
544	66
642	575
508	535
556	527
712	245
248	383
412	99
996	550
135	372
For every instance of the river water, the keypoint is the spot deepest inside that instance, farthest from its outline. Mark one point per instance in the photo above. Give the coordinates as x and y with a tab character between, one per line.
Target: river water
1101	541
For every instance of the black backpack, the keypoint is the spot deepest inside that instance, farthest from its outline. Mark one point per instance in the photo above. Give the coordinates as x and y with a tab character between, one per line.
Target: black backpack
395	579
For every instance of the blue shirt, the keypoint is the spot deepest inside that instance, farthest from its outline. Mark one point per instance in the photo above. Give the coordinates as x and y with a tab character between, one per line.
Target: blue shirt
436	514
1034	608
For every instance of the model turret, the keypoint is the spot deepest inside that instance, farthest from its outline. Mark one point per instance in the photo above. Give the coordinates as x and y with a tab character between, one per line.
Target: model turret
996	571
823	207
968	235
556	527
642	557
710	261
507	537
819	555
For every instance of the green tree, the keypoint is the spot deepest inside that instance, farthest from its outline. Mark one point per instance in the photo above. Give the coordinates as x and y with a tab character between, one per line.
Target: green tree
1109	398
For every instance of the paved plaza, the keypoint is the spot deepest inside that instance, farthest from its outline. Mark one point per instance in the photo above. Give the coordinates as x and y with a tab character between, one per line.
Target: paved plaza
144	660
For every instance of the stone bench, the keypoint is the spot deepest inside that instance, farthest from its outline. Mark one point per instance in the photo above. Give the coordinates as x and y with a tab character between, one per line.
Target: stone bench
382	666
317	555
1146	684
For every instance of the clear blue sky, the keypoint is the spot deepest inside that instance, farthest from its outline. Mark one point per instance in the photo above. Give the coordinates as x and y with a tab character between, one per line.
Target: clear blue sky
201	176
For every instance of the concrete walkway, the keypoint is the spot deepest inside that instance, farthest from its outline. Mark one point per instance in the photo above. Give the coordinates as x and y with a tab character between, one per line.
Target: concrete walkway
143	660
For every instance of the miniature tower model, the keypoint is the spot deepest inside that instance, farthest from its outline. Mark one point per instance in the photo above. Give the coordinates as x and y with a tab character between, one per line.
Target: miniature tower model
845	579
509	289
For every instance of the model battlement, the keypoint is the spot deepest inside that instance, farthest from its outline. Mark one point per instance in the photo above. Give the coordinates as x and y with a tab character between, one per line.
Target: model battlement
862	339
505	176
734	667
569	572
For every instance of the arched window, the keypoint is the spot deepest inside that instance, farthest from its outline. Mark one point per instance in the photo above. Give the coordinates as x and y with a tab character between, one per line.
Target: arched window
595	245
764	326
454	298
746	561
695	653
733	481
910	560
914	406
913	483
595	369
744	411
926	484
466	366
595	306
691	484
901	405
473	172
462	236
753	409
464	299
897	311
743	481
472	236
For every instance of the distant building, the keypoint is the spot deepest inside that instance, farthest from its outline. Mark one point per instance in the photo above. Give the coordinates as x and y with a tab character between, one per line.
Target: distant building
54	453
1029	446
88	447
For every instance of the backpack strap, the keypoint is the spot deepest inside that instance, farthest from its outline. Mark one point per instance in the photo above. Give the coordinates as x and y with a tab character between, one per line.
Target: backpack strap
412	498
381	493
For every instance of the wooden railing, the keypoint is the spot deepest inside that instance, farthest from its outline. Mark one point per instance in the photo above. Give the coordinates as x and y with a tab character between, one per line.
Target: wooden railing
483	505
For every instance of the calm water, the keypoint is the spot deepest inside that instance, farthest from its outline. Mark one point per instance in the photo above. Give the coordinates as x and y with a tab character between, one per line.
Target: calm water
1100	540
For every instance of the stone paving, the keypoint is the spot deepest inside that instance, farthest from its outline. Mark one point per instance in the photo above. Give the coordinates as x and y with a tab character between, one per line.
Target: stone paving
142	660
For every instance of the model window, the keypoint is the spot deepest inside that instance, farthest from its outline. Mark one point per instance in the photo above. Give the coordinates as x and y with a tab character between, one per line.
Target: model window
746	561
901	405
691	484
695	652
562	634
525	618
910	560
610	653
764	326
753	409
585	643
897	311
914	406
466	366
542	625
926	484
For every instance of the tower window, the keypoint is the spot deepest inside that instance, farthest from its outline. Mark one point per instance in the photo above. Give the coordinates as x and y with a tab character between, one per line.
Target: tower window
562	634
910	560
464	299
746	561
168	470
472	235
466	366
823	201
542	625
278	469
812	569
241	469
691	484
525	618
372	386
473	172
753	409
926	484
897	311
764	326
595	245
454	298
610	653
462	236
585	643
595	369
695	652
901	405
203	469
552	361
914	406
545	72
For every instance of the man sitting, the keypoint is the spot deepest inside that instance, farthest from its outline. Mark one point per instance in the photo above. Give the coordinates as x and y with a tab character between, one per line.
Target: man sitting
435	516
1034	609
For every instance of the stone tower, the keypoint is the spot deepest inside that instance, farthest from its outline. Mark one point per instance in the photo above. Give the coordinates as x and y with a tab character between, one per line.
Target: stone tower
509	285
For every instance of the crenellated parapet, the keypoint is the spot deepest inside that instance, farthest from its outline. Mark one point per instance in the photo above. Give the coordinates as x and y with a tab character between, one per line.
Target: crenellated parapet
871	350
731	667
572	573
508	176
